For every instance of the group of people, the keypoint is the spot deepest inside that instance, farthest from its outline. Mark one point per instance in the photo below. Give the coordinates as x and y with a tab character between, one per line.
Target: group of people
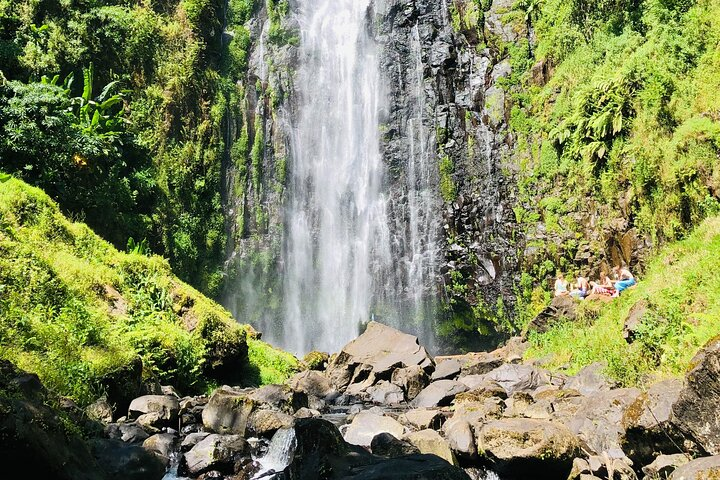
581	288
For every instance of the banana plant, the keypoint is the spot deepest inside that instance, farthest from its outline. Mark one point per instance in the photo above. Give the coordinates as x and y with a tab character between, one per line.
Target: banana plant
99	115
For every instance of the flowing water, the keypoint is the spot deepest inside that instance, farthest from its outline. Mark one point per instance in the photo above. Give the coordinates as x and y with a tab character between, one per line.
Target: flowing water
337	240
352	251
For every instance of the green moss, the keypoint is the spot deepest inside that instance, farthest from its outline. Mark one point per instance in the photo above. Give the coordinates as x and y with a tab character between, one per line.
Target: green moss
74	309
270	365
448	189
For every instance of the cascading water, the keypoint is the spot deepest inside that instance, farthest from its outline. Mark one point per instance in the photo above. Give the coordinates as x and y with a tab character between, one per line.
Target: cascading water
337	247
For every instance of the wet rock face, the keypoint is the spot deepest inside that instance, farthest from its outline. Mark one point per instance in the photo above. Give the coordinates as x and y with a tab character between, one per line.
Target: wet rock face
463	111
697	411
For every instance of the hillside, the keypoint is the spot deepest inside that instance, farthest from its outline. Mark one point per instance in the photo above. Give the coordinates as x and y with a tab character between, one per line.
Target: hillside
79	313
677	301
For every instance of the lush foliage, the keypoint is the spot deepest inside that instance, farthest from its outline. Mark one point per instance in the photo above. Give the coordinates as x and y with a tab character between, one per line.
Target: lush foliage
682	291
148	167
625	131
73	309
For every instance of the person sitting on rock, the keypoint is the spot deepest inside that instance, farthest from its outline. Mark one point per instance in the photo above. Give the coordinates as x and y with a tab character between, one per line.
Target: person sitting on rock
582	287
604	286
561	286
625	279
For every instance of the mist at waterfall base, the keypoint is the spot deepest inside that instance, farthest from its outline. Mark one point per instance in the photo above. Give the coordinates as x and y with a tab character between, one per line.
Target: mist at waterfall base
356	246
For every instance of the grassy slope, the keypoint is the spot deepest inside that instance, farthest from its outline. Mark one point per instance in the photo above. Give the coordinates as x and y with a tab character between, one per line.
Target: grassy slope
682	287
74	309
625	134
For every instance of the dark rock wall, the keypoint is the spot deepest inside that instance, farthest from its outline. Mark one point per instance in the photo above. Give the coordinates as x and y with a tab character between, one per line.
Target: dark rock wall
464	114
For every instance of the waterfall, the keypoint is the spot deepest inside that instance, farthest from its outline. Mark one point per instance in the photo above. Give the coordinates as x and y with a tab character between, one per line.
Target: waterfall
279	455
423	202
337	245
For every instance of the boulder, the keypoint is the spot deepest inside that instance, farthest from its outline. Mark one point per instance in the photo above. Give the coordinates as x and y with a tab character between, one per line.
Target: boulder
480	363
316	360
162	445
422	418
383	349
215	452
164	407
480	388
120	461
386	393
560	308
440	393
664	465
447	369
123	385
598	420
264	423
227	411
515	378
100	410
311	382
34	435
634	320
281	397
460	437
706	468
697	410
386	445
648	426
589	380
366	425
127	432
411	379
522	447
192	439
430	442
410	467
321	454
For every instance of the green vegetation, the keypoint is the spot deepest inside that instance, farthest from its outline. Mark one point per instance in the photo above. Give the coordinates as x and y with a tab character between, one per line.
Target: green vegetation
74	310
149	167
270	365
682	290
626	127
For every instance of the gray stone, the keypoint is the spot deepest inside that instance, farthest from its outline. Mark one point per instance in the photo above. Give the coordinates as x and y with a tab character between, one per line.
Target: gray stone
383	349
281	397
648	423
598	421
366	425
589	380
120	461
165	406
446	369
215	452
522	447
440	393
697	411
706	468
192	439
411	379
516	378
386	445
264	423
100	410
430	442
162	445
227	411
386	393
460	437
311	382
421	418
664	465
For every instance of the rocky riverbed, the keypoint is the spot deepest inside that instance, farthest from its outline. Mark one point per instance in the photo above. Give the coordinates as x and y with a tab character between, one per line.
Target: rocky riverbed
383	408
